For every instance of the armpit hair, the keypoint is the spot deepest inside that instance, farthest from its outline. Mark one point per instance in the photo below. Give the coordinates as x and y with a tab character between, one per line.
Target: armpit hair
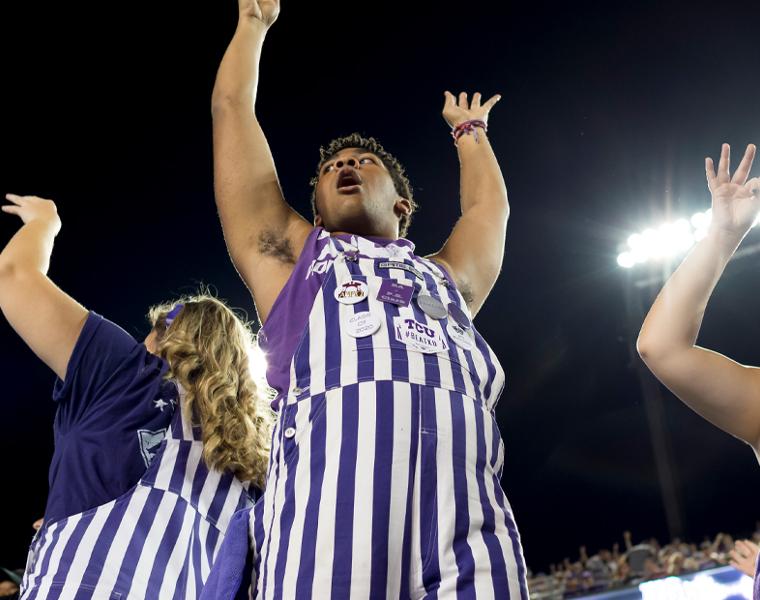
277	246
466	292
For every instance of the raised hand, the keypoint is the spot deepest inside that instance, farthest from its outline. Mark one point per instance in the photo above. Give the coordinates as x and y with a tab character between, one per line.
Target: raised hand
735	199
265	11
744	556
32	208
457	111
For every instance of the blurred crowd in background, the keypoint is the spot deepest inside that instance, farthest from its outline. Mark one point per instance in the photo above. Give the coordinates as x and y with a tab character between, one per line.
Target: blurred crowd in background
645	561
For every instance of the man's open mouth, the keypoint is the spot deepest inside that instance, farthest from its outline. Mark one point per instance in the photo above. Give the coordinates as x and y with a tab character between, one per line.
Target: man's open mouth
348	180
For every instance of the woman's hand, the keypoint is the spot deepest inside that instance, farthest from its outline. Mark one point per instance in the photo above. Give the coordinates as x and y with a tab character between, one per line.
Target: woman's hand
265	11
32	208
735	200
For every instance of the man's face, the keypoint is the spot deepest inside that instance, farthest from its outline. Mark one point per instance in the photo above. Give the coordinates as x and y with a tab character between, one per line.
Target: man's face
355	194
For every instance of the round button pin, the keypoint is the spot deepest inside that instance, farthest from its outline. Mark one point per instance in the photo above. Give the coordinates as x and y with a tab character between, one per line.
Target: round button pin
461	337
351	292
361	324
459	316
431	306
290	432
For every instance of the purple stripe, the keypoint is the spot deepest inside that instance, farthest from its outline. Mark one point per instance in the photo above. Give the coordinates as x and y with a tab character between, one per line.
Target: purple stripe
381	493
180	465
258	542
246	500
409	509
300	361
69	552
457	367
165	547
317	462
499	575
212	537
176	426
332	338
344	505
137	543
199	480
196	551
491	370
462	550
474	373
511	527
287	513
431	573
103	545
220	497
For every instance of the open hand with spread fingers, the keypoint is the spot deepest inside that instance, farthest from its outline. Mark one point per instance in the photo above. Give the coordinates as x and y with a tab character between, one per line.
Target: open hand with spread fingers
458	110
735	198
265	11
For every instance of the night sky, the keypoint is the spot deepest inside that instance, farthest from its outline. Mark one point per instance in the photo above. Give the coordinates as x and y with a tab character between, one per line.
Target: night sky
608	111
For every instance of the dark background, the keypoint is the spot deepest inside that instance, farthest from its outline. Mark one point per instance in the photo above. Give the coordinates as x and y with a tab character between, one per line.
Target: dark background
608	110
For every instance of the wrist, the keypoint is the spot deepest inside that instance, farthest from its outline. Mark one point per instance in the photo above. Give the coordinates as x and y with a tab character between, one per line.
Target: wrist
725	241
474	128
253	25
50	225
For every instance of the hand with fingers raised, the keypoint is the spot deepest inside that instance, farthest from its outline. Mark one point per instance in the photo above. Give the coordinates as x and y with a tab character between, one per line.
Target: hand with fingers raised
265	11
735	198
744	556
32	208
458	111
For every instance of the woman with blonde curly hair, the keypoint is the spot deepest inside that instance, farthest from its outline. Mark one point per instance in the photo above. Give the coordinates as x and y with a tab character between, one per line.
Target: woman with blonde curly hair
157	444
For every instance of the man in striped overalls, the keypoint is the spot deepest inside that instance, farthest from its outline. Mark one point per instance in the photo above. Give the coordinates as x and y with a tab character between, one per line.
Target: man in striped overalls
384	477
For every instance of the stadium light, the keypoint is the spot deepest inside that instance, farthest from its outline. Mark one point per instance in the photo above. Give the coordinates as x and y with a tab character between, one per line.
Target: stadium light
670	240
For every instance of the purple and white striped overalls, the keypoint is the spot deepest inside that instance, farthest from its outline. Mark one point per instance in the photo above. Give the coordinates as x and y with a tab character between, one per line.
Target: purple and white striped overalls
157	541
384	477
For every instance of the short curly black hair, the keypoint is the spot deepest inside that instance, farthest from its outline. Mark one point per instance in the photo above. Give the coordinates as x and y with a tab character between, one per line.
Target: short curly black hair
370	144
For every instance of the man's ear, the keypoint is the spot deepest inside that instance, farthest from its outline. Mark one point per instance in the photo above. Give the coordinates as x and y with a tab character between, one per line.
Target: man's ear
317	221
402	208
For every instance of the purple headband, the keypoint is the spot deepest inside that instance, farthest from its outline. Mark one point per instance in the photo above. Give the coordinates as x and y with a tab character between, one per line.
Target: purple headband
173	314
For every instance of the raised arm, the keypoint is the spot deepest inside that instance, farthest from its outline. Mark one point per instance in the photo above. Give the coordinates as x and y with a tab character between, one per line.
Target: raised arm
475	250
264	235
46	318
724	392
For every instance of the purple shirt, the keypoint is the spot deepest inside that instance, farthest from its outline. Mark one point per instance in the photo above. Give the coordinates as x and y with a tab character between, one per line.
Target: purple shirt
113	409
756	595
